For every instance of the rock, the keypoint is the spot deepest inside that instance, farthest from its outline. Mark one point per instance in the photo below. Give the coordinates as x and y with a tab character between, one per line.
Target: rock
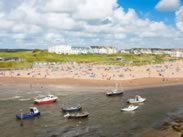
178	127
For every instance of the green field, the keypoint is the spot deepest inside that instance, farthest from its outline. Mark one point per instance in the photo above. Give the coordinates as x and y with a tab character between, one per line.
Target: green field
42	56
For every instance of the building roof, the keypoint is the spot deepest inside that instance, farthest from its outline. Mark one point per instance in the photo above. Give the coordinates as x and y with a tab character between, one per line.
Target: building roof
80	47
99	47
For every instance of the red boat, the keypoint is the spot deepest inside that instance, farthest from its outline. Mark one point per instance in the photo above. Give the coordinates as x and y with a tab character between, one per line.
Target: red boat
46	99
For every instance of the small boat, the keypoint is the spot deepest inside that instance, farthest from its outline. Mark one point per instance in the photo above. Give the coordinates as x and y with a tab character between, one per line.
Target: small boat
137	99
45	99
33	113
71	109
130	108
77	115
114	92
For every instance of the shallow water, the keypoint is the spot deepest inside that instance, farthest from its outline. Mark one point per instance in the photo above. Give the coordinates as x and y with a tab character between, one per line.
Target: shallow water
105	119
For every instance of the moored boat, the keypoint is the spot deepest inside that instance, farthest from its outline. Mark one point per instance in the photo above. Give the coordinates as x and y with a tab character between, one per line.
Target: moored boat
33	113
130	108
77	115
137	99
45	99
71	109
114	92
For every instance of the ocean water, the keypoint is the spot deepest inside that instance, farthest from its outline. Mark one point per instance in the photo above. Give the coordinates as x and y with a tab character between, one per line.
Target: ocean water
105	119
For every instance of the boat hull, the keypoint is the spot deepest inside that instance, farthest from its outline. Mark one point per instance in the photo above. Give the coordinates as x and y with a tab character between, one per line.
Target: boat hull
71	110
77	117
45	102
132	101
27	116
128	110
114	94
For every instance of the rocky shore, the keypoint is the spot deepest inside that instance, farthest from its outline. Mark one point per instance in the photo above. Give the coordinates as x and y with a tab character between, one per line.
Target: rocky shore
171	126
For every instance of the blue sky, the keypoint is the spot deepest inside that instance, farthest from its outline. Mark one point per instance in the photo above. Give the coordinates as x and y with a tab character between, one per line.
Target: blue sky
120	23
145	8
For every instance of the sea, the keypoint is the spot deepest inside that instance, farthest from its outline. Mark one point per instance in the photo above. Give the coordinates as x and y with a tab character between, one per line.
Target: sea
105	118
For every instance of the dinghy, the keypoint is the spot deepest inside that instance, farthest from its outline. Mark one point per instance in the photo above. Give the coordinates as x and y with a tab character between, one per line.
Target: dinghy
137	99
130	108
115	92
34	112
45	99
77	115
71	109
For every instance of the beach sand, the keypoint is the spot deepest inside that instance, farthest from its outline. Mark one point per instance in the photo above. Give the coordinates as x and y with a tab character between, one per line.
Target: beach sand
88	74
127	84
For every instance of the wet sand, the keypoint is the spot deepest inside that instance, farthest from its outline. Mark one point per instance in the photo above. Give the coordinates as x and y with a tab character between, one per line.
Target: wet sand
161	133
135	83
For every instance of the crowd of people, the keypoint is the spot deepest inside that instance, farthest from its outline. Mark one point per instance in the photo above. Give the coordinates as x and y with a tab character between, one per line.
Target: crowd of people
98	72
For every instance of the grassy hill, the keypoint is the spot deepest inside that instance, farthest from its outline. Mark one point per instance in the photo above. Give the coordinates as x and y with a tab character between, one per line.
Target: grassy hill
43	56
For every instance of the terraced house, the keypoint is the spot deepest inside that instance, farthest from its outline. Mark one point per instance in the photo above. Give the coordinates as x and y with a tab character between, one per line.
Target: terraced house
66	49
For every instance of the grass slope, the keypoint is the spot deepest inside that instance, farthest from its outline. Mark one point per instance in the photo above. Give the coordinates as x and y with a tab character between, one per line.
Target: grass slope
42	56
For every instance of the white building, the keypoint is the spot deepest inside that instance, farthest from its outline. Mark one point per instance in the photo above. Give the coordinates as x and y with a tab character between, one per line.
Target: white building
161	51
126	51
60	49
80	50
172	52
178	53
64	49
103	50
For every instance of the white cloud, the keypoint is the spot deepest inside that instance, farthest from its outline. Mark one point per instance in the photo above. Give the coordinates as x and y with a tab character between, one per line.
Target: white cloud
5	24
59	20
124	18
62	5
27	12
1	5
179	19
53	37
83	22
29	29
19	36
95	9
168	5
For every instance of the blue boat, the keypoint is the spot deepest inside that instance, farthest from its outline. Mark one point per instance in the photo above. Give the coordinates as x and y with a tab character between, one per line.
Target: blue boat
71	109
33	113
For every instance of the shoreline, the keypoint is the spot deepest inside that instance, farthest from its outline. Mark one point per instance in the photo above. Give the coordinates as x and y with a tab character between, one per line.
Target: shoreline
127	84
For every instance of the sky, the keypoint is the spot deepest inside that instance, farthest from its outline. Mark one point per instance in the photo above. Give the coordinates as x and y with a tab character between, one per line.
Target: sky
121	23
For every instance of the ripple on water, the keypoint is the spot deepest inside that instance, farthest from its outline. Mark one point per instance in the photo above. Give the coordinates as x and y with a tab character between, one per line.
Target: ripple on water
12	98
24	99
73	131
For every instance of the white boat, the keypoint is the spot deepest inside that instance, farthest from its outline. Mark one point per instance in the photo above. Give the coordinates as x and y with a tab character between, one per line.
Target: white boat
130	108
46	99
77	115
115	92
137	99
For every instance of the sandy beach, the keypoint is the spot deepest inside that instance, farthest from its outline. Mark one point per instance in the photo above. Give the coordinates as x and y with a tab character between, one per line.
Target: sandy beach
98	72
127	84
85	74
